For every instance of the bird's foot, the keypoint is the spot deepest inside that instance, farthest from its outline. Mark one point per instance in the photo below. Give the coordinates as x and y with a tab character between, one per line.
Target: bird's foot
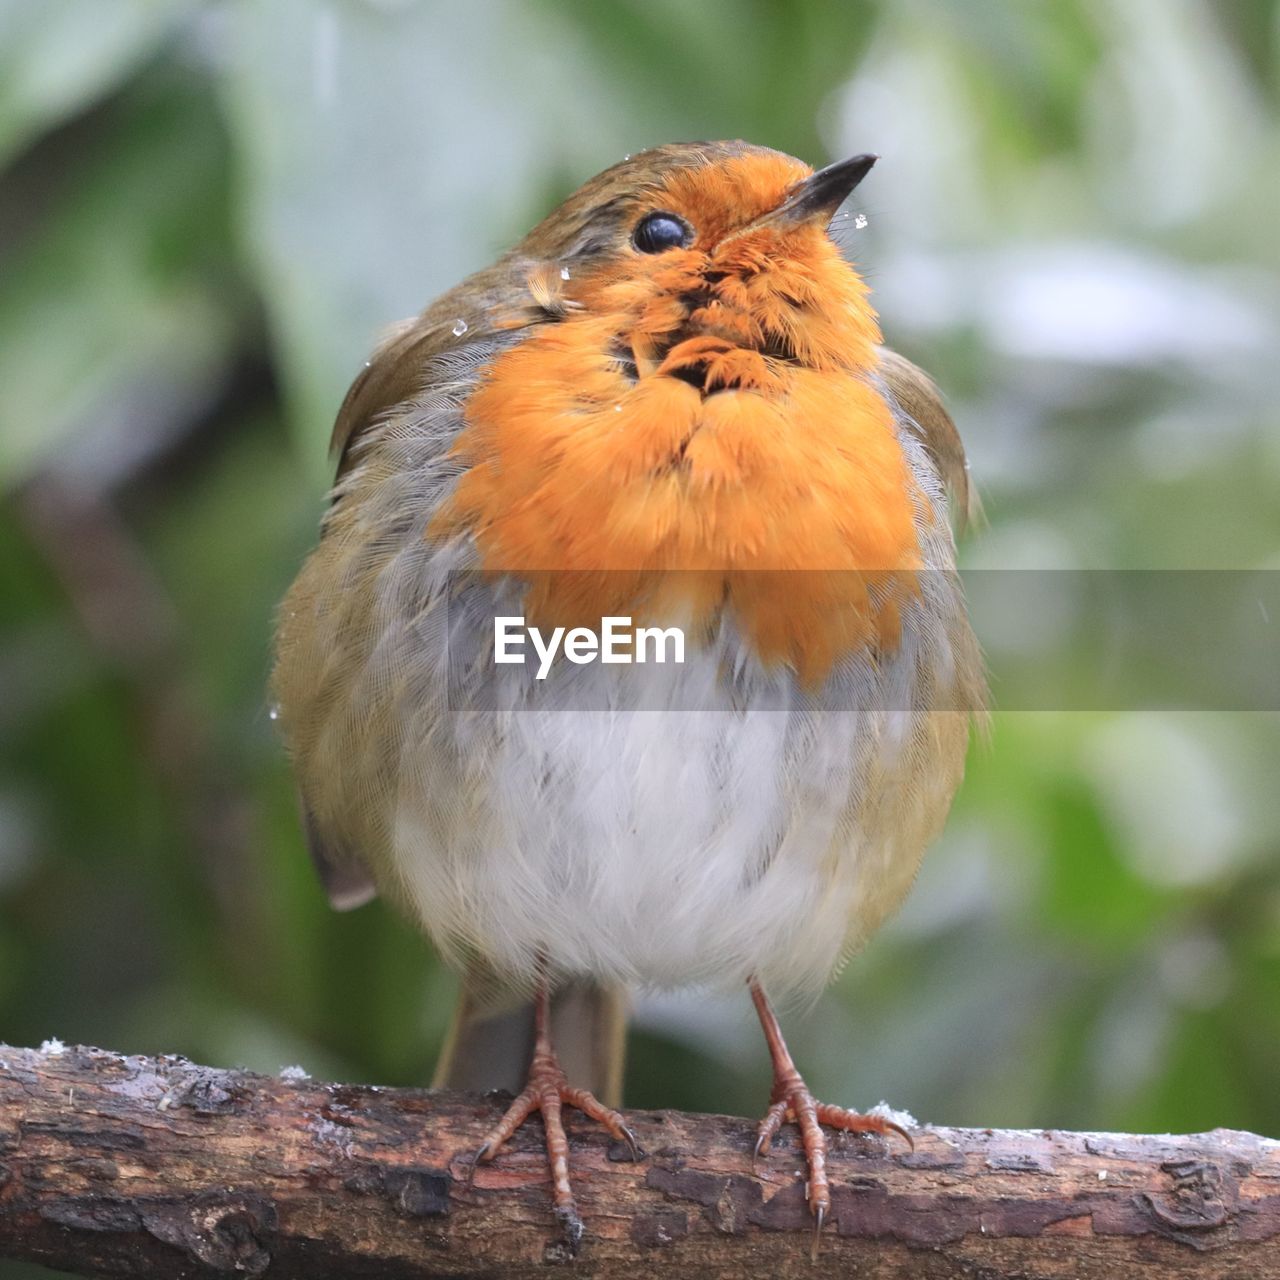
792	1102
546	1091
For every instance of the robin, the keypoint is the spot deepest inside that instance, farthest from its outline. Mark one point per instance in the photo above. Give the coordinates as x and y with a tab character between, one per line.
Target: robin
668	403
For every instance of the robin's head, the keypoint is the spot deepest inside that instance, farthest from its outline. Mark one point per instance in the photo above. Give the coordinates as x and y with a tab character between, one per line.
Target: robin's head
723	241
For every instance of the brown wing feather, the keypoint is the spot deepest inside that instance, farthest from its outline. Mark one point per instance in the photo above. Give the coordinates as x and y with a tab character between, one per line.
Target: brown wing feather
918	397
511	295
346	880
384	381
392	374
500	299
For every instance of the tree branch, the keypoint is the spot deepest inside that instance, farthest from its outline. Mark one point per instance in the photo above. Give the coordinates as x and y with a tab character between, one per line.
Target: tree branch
156	1167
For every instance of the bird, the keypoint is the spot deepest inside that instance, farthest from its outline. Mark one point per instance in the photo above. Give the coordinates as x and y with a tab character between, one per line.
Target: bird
669	403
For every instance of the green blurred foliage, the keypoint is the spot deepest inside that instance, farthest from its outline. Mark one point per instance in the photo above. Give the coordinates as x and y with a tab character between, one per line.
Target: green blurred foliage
210	209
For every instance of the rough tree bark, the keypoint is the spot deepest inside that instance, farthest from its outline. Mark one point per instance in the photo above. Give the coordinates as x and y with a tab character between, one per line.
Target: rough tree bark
157	1167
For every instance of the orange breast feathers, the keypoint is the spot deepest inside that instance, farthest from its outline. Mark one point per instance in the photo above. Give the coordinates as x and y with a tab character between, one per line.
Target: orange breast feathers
697	435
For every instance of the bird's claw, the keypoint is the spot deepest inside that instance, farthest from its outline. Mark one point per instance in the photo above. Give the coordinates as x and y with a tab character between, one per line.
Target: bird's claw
635	1149
475	1162
819	1217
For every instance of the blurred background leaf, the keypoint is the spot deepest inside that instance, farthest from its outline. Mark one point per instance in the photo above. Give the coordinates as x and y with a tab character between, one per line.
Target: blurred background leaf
209	210
59	58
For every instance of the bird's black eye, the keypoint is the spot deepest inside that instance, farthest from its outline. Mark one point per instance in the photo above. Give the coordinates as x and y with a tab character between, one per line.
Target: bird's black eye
657	232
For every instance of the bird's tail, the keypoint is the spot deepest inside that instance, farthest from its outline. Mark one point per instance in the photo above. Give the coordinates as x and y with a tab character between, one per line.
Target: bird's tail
490	1040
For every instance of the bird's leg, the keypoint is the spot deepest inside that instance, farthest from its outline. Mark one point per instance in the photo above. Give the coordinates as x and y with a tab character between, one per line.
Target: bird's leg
792	1101
547	1089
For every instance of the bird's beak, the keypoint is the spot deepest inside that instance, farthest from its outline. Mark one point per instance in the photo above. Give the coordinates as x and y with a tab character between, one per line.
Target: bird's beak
822	193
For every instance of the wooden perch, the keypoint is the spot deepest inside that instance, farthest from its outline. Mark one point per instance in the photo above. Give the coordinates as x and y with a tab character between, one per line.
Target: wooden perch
156	1167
